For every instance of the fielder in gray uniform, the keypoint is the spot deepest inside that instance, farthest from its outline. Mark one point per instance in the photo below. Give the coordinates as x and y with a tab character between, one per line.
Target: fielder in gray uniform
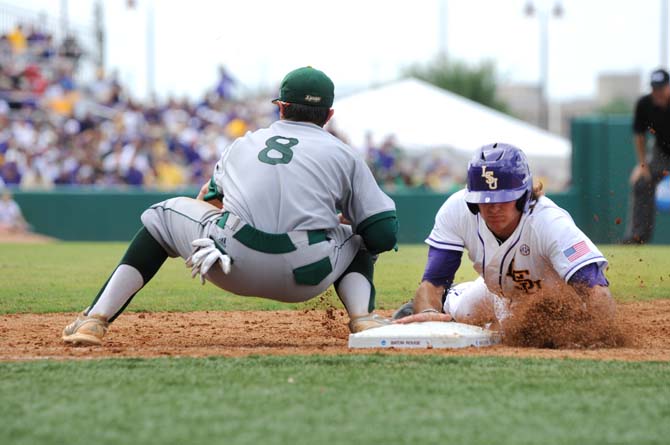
289	210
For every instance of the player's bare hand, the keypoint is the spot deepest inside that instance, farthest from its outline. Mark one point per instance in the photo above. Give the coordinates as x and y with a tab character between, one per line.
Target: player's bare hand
201	197
343	220
203	191
641	171
424	316
216	203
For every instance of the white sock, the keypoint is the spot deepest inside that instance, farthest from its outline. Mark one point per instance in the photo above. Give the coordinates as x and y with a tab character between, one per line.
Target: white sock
124	283
354	291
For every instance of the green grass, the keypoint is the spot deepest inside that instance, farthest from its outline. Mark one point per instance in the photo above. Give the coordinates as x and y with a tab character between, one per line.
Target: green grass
334	400
307	400
66	276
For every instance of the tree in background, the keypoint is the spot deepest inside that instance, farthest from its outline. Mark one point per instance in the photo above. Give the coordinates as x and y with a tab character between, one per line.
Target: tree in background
617	106
477	83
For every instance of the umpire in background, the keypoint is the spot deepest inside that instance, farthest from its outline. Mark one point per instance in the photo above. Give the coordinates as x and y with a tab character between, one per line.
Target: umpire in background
652	114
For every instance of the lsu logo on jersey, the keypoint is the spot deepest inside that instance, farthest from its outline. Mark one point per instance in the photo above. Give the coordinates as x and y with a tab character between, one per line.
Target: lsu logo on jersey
491	180
522	280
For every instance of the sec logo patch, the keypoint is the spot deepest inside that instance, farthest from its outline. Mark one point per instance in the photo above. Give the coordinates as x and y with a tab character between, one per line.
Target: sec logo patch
524	249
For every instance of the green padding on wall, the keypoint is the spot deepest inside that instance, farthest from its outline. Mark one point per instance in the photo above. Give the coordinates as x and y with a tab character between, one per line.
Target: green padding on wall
75	214
416	214
96	215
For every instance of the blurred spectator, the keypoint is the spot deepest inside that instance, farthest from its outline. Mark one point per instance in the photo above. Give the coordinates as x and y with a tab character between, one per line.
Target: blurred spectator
36	83
45	50
57	130
11	218
225	84
17	40
34	176
383	160
36	37
102	88
9	173
70	49
169	174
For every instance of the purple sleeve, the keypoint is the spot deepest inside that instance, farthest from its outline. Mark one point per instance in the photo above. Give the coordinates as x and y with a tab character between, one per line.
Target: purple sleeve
590	275
442	266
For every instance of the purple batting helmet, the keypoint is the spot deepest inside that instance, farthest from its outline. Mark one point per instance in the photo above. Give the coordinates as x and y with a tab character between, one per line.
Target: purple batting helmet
499	173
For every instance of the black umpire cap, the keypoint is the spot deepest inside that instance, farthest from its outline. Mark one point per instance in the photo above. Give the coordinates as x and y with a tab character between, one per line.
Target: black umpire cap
660	78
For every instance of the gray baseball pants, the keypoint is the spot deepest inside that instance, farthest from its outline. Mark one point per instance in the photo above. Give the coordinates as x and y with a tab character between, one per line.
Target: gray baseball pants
290	267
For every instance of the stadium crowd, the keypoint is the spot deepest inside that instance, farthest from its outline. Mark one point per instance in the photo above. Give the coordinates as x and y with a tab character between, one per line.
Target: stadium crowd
56	130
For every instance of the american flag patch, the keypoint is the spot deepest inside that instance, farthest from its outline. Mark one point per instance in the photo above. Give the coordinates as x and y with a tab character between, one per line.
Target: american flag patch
577	251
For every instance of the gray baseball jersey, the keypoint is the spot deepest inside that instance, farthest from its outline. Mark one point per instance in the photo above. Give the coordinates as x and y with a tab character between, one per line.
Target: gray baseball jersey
295	176
281	188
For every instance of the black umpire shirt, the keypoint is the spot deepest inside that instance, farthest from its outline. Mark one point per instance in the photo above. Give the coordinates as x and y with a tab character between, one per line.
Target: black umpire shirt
655	119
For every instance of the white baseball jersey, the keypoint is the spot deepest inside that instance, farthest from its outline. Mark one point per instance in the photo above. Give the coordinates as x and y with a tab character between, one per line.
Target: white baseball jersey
295	176
546	248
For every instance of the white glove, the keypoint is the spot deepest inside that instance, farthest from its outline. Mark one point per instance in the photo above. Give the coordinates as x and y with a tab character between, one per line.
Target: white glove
204	256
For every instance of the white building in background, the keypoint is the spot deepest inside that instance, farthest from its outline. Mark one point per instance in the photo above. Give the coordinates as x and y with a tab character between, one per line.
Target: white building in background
523	100
424	118
618	86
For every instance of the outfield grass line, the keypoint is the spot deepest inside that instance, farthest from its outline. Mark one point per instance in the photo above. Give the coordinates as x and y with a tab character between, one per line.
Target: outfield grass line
66	276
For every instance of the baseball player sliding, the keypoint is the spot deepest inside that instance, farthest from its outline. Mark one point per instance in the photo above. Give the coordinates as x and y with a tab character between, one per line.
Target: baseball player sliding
518	240
267	223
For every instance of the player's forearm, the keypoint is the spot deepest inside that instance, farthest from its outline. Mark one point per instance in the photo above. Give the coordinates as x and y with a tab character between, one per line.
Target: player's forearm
428	296
640	149
599	299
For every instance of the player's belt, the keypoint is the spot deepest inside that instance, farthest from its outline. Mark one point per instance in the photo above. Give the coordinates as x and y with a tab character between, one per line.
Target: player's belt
263	241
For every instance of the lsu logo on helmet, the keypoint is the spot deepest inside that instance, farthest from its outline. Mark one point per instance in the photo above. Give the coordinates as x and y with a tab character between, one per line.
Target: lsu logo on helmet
491	180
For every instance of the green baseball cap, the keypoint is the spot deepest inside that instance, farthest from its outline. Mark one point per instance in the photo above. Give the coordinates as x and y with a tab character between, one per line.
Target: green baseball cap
307	86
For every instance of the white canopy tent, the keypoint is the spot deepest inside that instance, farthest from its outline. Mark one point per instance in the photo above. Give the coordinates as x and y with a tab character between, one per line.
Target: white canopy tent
424	118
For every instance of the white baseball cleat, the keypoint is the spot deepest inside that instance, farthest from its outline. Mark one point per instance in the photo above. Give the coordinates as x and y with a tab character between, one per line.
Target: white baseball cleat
86	330
368	321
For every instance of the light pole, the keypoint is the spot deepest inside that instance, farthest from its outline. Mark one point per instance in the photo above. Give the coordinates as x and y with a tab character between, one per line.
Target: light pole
442	34
664	33
151	52
99	23
64	18
543	15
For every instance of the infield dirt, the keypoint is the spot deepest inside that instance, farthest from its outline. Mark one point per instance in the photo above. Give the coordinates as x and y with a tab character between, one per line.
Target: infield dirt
646	326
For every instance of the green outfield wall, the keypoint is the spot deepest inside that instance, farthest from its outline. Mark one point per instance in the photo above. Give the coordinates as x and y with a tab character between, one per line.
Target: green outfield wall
602	159
105	215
